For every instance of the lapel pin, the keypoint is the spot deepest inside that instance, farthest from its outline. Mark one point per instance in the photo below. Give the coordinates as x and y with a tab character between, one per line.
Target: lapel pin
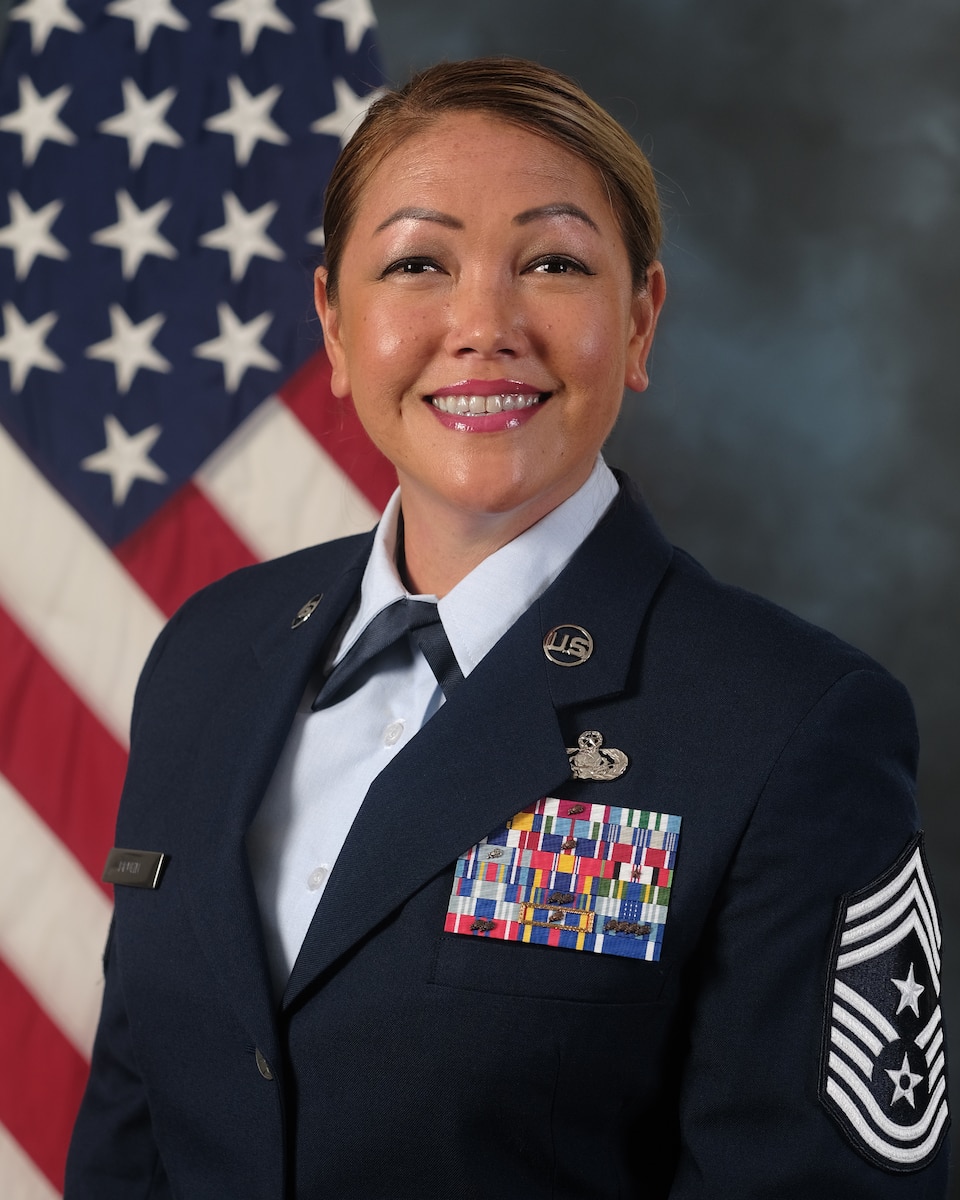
304	613
589	759
568	645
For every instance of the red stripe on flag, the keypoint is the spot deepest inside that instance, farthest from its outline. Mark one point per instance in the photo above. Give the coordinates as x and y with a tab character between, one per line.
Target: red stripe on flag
56	753
336	426
184	546
42	1080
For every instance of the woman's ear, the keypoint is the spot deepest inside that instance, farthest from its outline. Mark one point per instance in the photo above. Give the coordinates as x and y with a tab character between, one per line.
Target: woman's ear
329	316
646	310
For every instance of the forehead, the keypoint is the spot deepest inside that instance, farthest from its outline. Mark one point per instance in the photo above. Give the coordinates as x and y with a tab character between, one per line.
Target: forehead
473	159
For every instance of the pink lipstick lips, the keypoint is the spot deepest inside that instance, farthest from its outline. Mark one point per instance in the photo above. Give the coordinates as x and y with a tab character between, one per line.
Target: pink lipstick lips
486	405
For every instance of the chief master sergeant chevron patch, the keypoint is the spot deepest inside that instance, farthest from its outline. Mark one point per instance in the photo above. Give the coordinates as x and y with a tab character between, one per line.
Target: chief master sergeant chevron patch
882	1065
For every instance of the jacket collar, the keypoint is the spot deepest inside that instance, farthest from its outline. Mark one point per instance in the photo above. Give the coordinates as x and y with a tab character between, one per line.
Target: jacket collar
250	725
516	756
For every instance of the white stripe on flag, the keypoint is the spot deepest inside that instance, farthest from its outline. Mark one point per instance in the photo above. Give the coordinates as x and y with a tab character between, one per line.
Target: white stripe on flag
48	901
68	592
20	1178
279	489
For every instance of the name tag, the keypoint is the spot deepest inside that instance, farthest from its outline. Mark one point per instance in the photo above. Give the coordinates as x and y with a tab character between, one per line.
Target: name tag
135	868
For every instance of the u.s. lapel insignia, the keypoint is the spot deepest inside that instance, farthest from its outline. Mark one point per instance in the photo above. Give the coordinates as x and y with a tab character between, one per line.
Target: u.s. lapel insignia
883	1076
305	612
570	874
590	759
568	645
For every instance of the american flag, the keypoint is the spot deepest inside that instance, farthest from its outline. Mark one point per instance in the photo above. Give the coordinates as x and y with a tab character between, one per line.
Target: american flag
165	417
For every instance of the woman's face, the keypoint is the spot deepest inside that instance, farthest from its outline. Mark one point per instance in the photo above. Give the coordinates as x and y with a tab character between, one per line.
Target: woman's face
486	322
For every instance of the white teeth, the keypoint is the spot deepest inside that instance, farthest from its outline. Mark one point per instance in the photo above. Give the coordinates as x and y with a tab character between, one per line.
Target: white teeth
476	406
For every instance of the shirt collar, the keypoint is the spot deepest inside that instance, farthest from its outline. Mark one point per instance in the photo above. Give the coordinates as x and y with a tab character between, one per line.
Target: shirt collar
485	603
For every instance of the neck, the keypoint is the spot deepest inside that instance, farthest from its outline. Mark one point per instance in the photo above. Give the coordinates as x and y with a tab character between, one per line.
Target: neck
444	539
436	550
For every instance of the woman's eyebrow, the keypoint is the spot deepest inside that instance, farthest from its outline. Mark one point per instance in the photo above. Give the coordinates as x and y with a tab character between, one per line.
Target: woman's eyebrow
554	210
413	213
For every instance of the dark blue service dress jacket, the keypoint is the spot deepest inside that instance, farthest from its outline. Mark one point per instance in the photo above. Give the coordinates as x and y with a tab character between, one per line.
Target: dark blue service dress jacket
763	1022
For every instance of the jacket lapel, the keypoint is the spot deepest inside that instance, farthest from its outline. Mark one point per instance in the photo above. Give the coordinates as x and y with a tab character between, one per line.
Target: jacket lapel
433	802
253	719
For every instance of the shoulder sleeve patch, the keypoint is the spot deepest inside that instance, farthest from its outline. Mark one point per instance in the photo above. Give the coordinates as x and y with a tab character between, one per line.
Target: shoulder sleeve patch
882	1074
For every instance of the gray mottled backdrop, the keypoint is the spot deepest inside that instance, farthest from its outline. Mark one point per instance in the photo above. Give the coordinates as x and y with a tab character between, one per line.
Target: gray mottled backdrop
802	432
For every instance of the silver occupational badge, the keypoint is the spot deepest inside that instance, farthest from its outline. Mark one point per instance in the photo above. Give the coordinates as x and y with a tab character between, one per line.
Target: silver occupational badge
590	760
305	612
883	1075
568	645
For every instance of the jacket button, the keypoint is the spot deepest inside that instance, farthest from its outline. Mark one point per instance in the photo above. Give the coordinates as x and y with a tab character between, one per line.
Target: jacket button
263	1066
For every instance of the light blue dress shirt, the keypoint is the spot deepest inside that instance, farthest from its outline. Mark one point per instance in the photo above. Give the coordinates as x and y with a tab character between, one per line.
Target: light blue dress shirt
332	756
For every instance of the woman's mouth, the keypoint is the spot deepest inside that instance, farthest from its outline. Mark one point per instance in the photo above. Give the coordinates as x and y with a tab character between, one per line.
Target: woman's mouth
478	406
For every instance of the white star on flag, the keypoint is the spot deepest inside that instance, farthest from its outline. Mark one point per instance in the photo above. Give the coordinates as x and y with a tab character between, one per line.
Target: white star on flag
899	1091
252	16
247	120
347	115
37	120
910	992
23	345
238	346
130	347
243	235
356	15
45	16
142	122
28	234
136	233
126	458
147	16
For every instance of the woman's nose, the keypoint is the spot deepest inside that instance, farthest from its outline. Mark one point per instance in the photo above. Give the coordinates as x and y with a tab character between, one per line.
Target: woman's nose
485	319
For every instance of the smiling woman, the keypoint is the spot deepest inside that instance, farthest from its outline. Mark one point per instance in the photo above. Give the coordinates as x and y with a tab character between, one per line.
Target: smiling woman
485	321
505	850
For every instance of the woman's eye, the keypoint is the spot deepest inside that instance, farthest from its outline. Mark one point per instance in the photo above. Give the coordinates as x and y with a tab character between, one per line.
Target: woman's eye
559	264
411	266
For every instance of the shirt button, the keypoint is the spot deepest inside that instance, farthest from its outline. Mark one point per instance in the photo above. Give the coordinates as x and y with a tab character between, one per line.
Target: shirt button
263	1066
318	877
393	733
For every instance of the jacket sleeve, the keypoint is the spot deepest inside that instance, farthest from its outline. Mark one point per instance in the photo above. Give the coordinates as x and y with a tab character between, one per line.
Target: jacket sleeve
834	816
112	1154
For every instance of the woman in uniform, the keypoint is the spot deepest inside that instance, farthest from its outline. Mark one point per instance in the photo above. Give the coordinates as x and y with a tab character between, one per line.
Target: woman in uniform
506	852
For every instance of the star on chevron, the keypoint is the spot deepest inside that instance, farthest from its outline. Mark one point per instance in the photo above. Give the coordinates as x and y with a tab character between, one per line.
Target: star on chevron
347	115
37	120
126	458
23	345
28	234
142	122
239	346
147	16
45	16
243	235
899	1091
136	233
356	15
130	347
247	120
252	16
317	237
910	993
